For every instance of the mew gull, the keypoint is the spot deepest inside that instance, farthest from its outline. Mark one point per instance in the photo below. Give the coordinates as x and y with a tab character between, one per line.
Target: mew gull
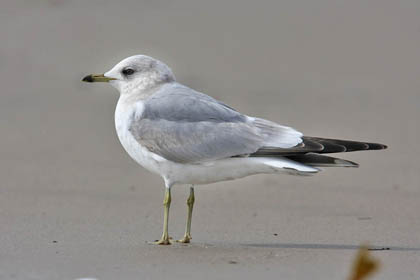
190	138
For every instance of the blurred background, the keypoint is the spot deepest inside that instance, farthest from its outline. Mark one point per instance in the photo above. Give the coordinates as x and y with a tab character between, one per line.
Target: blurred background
73	204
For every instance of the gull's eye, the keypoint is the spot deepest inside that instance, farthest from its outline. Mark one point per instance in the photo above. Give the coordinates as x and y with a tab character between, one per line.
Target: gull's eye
127	71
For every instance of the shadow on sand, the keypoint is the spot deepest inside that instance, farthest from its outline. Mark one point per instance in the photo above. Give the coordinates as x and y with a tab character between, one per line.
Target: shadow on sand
328	246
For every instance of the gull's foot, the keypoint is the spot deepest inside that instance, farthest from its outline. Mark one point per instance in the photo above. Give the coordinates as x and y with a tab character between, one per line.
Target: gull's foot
186	239
163	241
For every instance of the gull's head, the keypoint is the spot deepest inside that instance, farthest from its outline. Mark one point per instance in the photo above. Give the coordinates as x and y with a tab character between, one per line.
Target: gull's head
135	74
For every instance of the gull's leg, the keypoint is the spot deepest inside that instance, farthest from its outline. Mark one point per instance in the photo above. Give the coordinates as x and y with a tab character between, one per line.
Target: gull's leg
164	240
190	204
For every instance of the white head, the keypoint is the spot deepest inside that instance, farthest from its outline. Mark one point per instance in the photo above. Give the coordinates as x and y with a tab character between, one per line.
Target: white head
135	74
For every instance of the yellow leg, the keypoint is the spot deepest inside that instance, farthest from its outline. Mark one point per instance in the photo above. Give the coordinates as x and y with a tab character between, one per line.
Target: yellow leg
164	240
190	204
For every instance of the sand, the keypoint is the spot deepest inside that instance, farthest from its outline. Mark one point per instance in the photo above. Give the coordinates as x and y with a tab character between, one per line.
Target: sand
74	205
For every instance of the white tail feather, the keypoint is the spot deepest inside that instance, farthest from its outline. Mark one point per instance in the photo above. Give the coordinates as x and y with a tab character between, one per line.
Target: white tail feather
290	166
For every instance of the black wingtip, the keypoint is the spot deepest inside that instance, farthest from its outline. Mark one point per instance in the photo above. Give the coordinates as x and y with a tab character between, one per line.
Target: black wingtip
88	79
377	146
334	145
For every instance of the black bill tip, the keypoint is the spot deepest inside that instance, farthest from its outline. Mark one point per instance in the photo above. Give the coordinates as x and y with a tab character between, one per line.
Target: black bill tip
88	79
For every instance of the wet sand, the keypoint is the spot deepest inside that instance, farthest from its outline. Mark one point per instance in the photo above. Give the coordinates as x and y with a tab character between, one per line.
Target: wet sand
73	204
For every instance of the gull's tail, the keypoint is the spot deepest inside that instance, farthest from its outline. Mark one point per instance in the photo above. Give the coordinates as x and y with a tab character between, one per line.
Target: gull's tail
318	160
289	166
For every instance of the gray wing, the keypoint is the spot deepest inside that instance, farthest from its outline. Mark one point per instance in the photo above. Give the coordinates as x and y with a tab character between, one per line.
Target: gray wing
175	102
185	126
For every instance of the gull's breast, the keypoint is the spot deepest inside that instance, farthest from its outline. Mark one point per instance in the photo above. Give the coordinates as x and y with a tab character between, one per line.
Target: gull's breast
125	114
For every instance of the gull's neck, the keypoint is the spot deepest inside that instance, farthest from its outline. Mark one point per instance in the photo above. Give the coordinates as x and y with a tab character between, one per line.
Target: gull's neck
143	88
133	95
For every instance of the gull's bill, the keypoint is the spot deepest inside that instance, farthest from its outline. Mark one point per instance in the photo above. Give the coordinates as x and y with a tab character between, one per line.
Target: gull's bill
97	78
